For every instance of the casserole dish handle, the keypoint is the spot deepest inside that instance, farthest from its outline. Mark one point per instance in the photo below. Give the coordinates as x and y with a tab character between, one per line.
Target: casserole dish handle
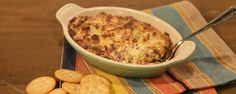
65	12
184	51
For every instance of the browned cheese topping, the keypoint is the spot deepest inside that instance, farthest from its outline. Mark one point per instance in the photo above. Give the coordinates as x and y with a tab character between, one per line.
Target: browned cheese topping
120	38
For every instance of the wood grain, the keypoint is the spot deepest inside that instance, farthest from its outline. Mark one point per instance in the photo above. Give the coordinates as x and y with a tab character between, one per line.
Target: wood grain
31	38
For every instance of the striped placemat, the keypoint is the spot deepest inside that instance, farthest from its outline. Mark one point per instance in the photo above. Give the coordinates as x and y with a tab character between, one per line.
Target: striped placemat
213	63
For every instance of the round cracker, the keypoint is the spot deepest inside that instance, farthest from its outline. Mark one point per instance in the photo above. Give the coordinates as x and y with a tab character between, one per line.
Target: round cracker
94	88
58	91
41	85
68	75
95	78
71	88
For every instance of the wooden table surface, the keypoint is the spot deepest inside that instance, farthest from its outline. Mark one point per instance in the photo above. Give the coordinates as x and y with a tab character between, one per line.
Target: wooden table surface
31	37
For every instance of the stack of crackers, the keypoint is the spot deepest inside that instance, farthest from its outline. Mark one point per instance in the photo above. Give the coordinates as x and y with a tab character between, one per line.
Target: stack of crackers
73	83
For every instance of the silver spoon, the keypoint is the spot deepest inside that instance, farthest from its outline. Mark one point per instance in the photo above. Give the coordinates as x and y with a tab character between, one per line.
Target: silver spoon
222	17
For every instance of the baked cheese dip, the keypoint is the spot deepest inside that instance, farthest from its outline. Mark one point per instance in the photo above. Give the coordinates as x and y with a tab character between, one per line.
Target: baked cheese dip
120	38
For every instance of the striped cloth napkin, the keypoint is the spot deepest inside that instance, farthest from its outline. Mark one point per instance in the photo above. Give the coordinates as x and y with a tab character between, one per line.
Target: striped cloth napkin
213	62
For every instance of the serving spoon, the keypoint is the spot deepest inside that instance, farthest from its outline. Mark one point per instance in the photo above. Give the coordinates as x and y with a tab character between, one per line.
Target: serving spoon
222	17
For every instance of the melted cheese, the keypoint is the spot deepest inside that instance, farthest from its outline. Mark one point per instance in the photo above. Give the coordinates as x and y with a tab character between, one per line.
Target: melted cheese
120	38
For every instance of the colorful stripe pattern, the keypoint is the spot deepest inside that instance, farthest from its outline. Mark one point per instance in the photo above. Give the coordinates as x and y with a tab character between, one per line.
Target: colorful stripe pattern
206	68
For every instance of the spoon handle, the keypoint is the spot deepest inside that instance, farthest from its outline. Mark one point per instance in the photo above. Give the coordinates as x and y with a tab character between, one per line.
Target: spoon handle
222	17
